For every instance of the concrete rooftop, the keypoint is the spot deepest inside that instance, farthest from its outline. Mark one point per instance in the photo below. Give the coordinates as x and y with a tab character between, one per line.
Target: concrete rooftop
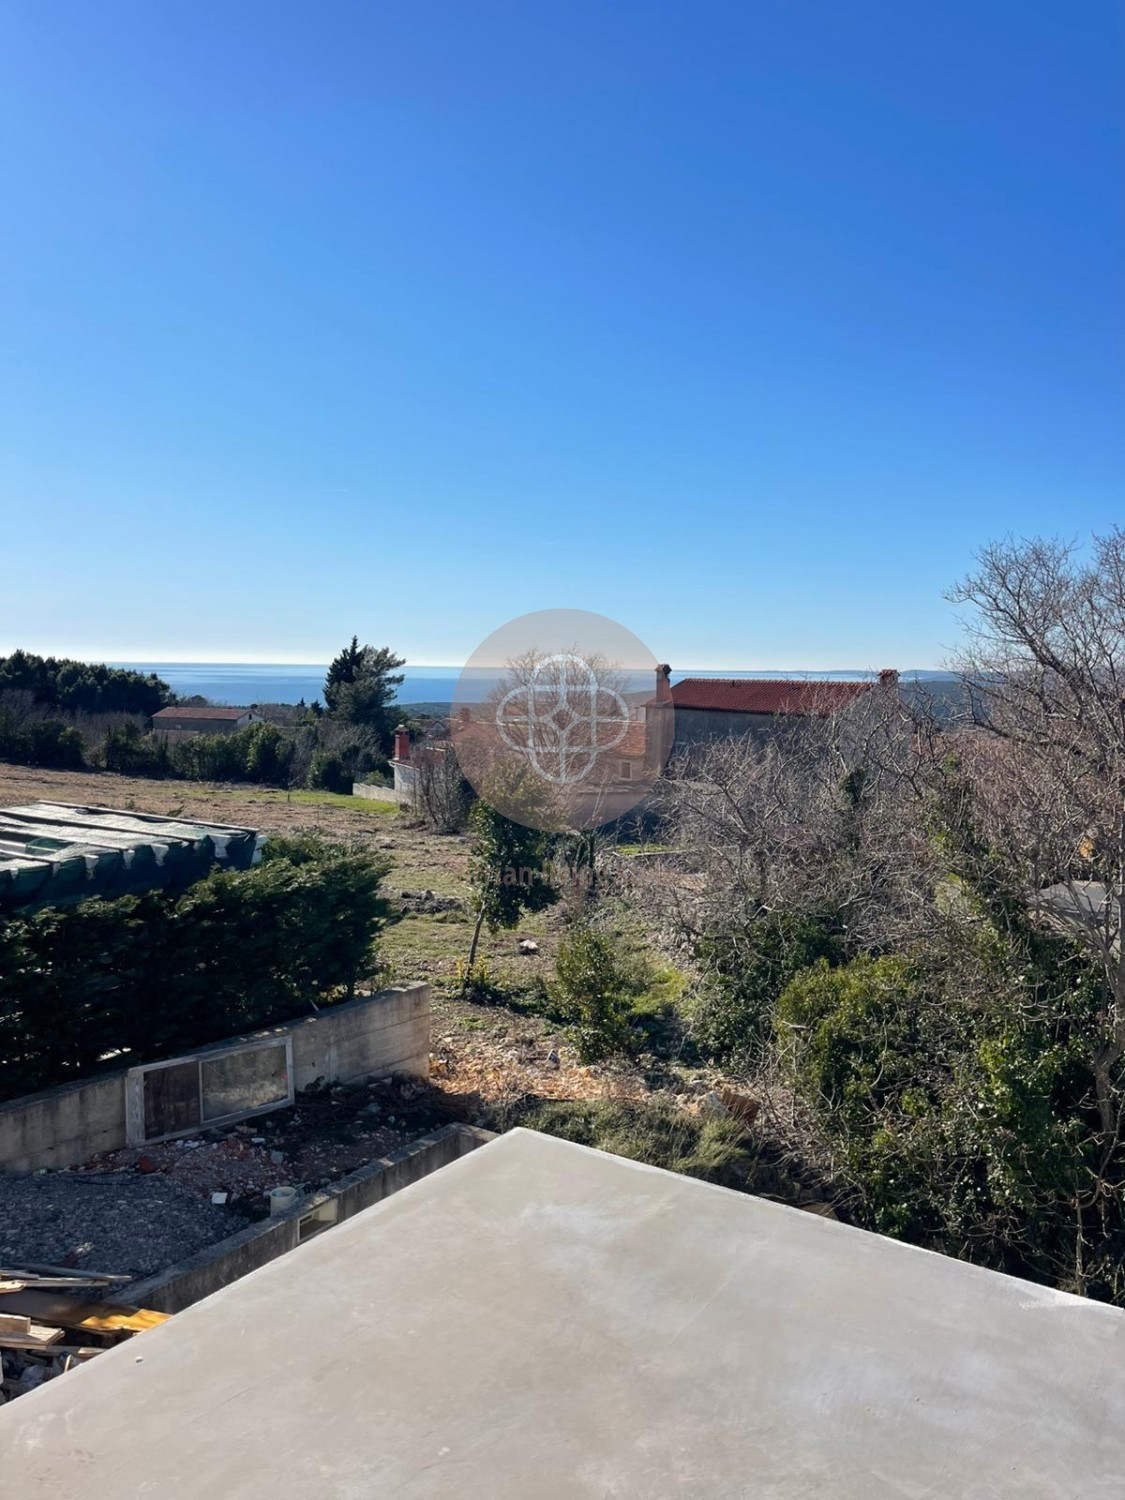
539	1320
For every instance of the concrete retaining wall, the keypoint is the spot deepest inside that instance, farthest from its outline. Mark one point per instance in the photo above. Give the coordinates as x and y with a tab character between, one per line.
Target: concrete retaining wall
369	1037
201	1274
63	1126
376	1034
375	793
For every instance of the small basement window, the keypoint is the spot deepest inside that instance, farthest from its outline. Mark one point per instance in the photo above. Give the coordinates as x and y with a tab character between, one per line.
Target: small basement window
186	1094
626	772
319	1219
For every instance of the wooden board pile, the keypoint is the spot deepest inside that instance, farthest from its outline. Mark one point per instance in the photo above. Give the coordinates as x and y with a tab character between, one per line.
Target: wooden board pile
46	1329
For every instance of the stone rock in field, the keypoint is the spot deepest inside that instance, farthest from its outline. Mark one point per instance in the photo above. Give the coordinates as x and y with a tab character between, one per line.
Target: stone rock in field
712	1106
741	1107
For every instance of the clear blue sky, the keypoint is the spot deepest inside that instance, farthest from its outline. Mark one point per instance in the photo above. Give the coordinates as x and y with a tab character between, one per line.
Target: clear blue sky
744	323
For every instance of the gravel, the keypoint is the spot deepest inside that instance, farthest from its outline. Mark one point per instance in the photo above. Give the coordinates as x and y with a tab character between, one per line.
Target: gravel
132	1226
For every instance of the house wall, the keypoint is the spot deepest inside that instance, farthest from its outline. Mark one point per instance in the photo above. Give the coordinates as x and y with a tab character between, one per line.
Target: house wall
369	1037
173	725
696	726
406	781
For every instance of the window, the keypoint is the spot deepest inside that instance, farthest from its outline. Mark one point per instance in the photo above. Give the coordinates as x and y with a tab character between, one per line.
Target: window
319	1219
626	771
186	1094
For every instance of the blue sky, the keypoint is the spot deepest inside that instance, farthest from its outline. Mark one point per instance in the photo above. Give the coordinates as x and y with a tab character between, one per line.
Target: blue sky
744	323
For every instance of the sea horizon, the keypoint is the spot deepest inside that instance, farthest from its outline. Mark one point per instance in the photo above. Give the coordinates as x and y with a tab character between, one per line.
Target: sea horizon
243	683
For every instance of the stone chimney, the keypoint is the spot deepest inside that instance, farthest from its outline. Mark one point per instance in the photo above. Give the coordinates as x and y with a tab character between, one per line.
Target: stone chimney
659	717
402	744
889	676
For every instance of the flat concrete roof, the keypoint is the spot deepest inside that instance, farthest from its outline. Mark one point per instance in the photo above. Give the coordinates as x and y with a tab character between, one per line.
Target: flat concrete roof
539	1320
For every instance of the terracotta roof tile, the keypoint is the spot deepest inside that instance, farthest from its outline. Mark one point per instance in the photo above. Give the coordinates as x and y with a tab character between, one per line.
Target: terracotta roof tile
201	713
748	695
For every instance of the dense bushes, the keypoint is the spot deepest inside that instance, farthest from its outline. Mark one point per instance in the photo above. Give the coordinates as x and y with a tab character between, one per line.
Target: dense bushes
39	742
130	752
259	753
329	773
147	976
748	966
962	1123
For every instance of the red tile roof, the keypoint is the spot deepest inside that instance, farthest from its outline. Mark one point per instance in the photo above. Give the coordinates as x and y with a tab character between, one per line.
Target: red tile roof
201	713
747	695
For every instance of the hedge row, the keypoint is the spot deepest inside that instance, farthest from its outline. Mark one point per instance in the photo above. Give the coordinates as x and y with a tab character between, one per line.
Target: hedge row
39	742
145	977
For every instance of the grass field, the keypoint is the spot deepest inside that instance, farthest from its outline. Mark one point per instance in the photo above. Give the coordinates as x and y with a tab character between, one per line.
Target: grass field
325	799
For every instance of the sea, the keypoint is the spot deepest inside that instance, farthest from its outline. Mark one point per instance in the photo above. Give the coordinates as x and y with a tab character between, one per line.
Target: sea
242	683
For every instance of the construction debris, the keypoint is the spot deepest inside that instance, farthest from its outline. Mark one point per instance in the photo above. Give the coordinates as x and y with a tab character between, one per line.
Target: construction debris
33	1320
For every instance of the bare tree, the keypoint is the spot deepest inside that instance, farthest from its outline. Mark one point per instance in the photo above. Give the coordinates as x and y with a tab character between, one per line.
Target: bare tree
1045	670
822	812
441	794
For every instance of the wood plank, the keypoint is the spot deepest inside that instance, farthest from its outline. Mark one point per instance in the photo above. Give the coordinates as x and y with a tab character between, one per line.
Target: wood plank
92	1317
38	1336
14	1323
60	1283
79	1272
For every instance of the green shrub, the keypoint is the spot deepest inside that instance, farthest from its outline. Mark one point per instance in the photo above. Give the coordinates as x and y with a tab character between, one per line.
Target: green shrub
130	752
328	773
142	977
855	1037
962	1126
745	971
40	742
591	993
267	754
476	981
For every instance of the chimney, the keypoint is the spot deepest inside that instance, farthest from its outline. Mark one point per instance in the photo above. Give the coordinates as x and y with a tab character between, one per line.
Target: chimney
663	687
889	676
402	743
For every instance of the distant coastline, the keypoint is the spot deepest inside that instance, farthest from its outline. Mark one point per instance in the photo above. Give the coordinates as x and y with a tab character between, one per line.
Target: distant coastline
243	683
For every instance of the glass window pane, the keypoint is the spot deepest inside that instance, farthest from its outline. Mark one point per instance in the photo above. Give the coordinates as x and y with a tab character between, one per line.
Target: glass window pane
237	1081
